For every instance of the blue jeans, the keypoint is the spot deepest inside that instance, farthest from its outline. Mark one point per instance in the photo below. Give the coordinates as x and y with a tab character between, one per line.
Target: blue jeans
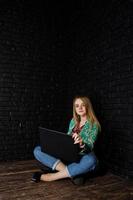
87	162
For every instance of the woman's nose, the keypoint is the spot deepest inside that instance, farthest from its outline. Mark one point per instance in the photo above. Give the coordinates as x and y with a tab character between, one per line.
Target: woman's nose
80	107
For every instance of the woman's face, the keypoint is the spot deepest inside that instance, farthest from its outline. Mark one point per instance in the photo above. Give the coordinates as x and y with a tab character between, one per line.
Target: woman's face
80	107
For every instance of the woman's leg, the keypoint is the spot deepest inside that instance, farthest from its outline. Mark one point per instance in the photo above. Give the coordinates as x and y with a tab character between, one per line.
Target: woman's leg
60	166
52	163
87	163
55	176
45	159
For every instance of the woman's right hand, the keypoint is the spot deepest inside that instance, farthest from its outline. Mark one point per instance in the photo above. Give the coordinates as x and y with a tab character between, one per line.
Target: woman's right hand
77	139
75	136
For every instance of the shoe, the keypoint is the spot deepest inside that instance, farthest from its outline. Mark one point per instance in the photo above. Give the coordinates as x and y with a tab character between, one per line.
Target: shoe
79	180
36	176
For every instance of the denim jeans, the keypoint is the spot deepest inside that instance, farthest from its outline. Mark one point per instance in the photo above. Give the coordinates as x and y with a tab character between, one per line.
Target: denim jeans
87	162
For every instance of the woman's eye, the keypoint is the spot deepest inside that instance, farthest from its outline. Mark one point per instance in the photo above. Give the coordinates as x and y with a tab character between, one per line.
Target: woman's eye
76	106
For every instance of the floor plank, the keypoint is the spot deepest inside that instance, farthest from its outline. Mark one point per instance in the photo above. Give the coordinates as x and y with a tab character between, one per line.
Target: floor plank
15	183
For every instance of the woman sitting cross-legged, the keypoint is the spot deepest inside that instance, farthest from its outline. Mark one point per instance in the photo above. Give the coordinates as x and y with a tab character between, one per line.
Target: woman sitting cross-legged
84	128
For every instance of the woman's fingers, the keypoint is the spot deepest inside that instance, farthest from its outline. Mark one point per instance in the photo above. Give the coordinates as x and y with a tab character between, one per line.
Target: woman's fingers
77	140
74	135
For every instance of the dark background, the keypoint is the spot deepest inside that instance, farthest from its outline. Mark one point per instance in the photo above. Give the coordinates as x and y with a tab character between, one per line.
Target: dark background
50	52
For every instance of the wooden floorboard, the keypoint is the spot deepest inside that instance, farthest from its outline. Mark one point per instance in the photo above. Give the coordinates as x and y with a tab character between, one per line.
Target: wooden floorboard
16	184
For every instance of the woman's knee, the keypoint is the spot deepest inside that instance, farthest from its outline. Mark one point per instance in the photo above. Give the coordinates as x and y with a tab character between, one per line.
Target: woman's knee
88	161
36	151
92	161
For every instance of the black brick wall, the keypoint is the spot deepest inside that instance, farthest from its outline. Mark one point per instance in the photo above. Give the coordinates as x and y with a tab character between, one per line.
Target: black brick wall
48	55
31	92
102	68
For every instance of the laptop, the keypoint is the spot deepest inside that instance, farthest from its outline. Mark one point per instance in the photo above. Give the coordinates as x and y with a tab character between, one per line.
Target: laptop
59	145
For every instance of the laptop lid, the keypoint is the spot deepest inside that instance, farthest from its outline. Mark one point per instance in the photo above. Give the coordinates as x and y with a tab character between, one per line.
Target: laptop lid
59	145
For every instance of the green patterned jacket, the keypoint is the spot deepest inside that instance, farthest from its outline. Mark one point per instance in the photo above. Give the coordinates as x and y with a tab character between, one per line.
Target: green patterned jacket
88	133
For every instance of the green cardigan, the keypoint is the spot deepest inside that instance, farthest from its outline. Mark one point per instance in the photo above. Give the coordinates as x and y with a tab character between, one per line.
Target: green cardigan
88	133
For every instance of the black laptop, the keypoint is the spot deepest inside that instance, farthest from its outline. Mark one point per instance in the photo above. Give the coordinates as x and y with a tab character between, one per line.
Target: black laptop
59	145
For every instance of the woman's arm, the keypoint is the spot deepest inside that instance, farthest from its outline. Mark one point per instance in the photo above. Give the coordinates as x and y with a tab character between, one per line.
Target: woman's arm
71	126
89	136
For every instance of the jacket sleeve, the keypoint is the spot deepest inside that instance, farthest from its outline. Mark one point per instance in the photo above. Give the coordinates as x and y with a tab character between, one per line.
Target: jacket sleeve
71	125
90	136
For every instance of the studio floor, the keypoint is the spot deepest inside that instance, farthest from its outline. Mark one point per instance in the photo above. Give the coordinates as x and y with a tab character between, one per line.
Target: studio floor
16	184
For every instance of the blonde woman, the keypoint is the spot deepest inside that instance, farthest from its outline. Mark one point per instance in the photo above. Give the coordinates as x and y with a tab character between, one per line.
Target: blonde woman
84	128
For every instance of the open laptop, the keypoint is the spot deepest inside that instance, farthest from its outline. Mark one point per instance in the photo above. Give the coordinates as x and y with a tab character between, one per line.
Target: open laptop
59	145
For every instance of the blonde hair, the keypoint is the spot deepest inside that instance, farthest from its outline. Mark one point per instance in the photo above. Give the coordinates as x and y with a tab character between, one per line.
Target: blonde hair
89	111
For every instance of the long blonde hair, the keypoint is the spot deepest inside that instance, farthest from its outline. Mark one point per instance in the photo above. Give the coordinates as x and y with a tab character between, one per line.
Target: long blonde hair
89	111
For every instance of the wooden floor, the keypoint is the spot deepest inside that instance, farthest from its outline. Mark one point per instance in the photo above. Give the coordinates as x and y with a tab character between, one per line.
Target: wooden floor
15	183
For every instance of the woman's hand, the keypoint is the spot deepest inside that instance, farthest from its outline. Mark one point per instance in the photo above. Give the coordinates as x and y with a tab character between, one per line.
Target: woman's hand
78	139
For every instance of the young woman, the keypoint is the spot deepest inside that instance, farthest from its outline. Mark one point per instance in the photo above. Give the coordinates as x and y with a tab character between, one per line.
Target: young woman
84	128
